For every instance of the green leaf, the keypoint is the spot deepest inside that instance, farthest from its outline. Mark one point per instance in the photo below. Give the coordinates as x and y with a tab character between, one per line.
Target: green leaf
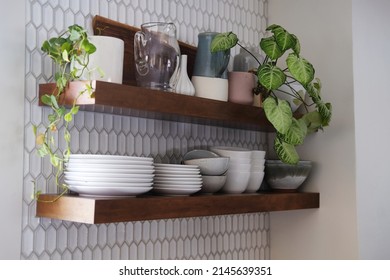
74	35
65	55
54	102
297	47
313	121
325	111
296	133
223	42
54	160
279	113
271	48
68	117
74	110
46	99
271	76
88	47
301	69
35	128
284	39
286	152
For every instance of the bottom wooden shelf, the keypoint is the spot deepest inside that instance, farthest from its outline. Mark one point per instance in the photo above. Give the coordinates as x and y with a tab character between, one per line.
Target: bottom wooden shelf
107	210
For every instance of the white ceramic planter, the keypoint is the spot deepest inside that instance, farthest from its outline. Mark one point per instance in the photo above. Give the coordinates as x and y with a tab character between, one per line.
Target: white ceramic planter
108	57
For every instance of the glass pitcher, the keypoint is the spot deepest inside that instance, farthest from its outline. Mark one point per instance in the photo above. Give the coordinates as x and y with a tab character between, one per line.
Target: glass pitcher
157	56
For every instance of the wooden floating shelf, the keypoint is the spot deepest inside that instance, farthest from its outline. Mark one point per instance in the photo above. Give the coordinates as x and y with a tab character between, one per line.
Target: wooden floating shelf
143	102
105	210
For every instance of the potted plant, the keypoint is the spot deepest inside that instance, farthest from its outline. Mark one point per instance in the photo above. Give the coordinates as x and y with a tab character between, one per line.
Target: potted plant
291	130
70	53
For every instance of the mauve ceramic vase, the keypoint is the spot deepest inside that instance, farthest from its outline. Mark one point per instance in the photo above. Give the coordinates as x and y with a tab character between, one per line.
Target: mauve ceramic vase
240	88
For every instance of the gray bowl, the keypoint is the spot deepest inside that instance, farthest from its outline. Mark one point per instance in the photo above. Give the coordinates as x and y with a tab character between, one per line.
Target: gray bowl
286	177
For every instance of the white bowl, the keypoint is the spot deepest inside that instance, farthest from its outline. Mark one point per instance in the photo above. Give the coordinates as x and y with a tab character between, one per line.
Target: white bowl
210	166
255	180
257	154
243	167
199	154
236	182
238	160
232	151
212	184
257	168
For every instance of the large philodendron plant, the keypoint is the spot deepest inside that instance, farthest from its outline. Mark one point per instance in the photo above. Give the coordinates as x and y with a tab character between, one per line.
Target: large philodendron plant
70	53
290	130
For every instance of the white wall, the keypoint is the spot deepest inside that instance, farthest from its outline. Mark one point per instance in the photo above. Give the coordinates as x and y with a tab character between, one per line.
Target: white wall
371	51
11	124
325	32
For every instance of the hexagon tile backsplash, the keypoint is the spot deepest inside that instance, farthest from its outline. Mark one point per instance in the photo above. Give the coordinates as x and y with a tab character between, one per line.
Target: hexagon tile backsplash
243	236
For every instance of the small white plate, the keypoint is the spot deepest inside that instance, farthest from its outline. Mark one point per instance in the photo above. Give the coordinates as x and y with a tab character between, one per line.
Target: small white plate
109	192
175	176
177	182
107	185
180	171
178	186
175	166
172	191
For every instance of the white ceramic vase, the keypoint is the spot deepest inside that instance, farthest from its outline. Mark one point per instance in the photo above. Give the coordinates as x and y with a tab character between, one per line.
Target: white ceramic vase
184	84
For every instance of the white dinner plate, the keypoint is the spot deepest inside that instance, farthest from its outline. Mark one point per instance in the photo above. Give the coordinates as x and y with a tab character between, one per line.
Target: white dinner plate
172	191
108	175
109	166
103	170
112	157
107	180
107	185
109	192
110	161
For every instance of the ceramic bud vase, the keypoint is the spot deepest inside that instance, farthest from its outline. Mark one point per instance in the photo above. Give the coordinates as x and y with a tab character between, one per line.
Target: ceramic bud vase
184	84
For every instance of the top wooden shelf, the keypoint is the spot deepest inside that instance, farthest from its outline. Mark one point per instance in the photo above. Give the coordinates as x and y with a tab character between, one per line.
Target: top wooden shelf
143	102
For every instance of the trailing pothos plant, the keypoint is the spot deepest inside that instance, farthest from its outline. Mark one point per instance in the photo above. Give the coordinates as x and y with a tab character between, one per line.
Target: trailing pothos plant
290	130
70	53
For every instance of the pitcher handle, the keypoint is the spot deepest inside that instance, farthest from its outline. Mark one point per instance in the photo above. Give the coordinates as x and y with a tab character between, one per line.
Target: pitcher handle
140	53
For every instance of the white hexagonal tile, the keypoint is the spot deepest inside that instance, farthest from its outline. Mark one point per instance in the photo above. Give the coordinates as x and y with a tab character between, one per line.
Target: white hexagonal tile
172	249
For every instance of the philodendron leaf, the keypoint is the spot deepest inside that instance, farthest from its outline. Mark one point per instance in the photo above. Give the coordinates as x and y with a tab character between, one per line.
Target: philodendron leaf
296	133
223	42
301	69
271	48
279	113
325	111
284	39
271	76
286	152
297	47
313	121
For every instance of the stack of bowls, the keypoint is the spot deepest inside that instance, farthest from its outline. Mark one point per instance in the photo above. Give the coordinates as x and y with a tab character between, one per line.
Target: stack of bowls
256	172
239	171
212	168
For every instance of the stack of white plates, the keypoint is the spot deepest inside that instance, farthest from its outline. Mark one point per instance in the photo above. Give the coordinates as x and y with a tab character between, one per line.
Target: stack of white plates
176	179
109	175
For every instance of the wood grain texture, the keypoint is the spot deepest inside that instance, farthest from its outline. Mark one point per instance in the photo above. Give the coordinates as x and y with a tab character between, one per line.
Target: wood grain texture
106	210
156	104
